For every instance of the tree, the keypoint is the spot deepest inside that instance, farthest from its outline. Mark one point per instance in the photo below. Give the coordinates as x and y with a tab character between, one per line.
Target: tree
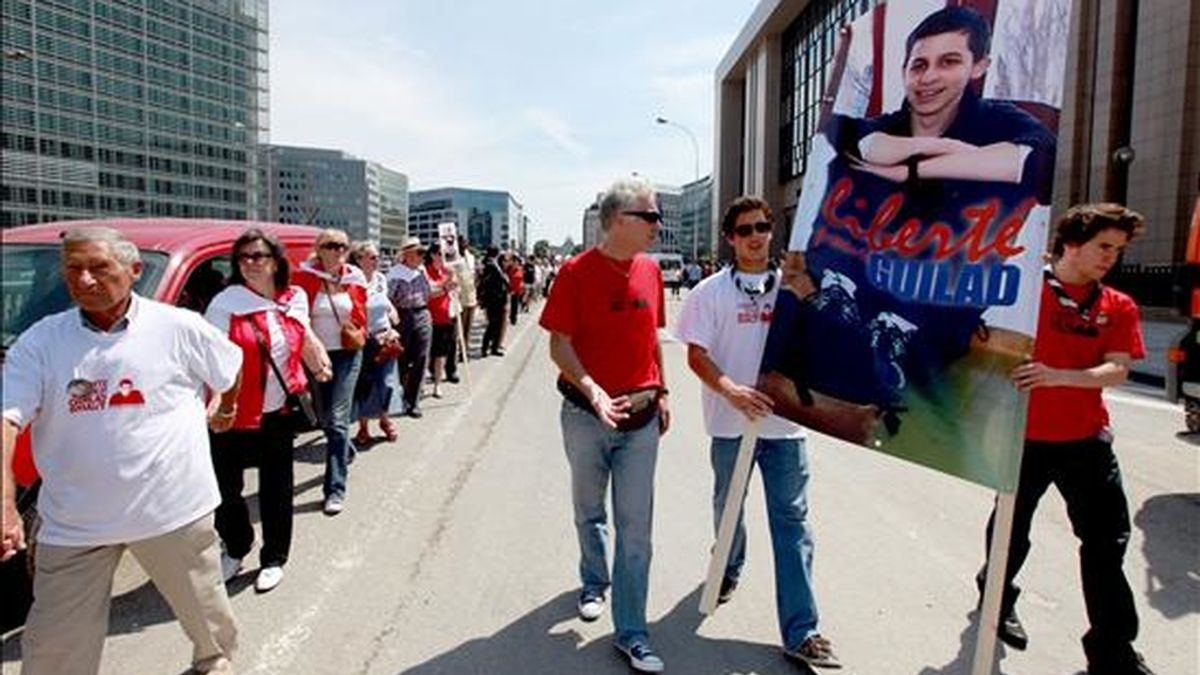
541	248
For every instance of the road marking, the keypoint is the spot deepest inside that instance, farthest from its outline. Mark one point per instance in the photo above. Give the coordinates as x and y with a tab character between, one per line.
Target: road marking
278	651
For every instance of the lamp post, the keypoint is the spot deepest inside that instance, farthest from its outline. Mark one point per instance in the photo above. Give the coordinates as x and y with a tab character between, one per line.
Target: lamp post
695	166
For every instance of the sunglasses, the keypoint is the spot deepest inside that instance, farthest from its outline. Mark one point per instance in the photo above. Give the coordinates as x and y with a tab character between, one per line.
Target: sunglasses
256	256
333	246
648	216
747	229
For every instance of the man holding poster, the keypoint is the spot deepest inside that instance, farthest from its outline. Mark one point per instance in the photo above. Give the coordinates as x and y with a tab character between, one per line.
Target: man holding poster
724	322
1088	336
919	231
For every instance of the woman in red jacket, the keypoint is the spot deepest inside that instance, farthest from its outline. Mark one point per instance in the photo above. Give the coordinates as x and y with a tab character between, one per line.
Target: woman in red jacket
337	300
269	320
441	284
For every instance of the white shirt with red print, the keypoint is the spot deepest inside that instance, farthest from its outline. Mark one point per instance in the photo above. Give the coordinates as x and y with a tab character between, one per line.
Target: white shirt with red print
119	473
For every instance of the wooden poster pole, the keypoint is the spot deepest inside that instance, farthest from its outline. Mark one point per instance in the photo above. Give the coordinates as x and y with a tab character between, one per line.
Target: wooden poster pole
993	588
729	518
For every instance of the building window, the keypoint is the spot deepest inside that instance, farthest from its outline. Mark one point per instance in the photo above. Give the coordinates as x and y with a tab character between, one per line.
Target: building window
808	48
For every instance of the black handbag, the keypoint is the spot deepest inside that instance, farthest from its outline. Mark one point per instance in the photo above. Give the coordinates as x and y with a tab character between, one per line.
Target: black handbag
300	407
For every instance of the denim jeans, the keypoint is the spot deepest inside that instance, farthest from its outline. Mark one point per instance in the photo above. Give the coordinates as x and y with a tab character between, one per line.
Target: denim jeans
595	454
783	463
337	398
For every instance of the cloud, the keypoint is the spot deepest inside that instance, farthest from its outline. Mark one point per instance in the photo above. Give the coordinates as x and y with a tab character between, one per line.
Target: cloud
556	129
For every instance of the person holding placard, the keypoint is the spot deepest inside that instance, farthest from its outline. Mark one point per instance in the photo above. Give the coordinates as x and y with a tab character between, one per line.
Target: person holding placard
724	323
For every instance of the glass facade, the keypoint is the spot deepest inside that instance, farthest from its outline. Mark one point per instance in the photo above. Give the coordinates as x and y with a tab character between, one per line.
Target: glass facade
808	48
695	220
131	108
487	217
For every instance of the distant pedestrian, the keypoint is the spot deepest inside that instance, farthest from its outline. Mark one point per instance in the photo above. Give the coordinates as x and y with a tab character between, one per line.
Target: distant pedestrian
441	291
373	392
1088	337
268	320
724	322
337	300
463	266
409	290
603	316
135	477
493	297
516	285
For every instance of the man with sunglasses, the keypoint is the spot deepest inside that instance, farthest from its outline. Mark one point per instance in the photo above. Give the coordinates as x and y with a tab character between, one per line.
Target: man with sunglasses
1088	337
603	314
724	322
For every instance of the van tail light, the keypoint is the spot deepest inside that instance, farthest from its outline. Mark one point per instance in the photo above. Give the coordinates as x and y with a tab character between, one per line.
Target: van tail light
1176	355
1195	302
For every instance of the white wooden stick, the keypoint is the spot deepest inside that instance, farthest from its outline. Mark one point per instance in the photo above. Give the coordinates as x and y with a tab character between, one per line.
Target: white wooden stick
729	518
462	349
993	587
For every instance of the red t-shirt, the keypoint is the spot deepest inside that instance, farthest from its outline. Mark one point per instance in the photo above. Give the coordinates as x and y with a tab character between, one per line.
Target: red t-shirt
1064	340
612	311
439	305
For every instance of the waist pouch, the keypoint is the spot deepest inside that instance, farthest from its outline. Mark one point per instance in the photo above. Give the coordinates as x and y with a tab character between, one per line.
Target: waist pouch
643	404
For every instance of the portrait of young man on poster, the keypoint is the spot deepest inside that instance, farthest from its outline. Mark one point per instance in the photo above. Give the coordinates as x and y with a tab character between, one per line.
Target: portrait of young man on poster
921	224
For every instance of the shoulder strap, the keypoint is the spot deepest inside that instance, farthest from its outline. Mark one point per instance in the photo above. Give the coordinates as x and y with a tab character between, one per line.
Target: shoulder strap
262	345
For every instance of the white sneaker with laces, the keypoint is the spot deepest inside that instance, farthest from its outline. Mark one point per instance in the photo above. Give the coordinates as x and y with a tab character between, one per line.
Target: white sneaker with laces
590	606
229	567
268	578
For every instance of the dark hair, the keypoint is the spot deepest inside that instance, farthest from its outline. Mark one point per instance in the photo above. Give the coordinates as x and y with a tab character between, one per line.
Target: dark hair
743	204
1082	222
283	270
954	20
492	251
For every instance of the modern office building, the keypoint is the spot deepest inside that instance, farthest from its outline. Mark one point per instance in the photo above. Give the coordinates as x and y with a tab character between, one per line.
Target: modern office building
695	220
131	107
330	188
487	217
670	204
1129	130
591	224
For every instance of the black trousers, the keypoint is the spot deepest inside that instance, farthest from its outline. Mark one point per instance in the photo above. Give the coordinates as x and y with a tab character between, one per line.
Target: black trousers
514	306
491	334
1088	477
270	448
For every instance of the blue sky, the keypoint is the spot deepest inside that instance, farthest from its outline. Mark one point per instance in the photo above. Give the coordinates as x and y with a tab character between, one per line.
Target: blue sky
548	100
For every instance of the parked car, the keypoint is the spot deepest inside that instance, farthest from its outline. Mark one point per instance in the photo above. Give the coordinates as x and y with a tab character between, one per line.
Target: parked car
184	262
1183	357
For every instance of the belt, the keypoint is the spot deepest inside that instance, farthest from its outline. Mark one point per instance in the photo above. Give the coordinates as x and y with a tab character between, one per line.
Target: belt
415	309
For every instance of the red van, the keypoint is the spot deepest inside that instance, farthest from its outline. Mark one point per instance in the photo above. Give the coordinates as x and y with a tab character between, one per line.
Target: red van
184	262
1183	357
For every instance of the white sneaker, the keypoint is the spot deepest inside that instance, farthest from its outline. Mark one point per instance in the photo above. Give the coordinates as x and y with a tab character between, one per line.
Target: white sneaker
268	578
334	505
229	567
590	605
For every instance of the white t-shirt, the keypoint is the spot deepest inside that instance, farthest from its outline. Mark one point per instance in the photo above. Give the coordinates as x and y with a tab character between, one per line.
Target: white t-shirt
731	325
118	420
325	322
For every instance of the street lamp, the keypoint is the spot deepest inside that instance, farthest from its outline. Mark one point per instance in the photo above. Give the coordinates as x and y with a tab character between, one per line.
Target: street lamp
696	167
691	137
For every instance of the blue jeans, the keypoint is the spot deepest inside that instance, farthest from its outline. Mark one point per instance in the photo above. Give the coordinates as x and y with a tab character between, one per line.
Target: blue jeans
337	398
595	453
783	463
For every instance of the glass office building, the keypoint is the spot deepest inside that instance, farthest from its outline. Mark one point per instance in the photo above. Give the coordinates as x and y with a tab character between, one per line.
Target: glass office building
487	217
131	108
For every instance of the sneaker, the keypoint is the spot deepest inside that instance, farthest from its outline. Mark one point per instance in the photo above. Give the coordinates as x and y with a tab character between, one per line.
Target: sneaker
590	605
642	658
219	665
229	567
415	413
1134	664
816	651
452	379
1010	631
728	586
268	578
334	505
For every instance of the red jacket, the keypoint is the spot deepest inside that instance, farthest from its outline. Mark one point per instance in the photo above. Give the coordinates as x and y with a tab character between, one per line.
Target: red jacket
243	310
311	277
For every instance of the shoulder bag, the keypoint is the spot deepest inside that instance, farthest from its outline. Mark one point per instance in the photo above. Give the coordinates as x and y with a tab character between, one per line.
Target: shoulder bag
300	407
353	337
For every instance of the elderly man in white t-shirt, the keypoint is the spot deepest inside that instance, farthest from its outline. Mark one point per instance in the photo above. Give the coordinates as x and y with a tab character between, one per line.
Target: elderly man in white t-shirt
132	473
724	322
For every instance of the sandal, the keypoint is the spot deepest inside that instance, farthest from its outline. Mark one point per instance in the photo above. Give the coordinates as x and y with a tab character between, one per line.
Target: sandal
389	429
363	437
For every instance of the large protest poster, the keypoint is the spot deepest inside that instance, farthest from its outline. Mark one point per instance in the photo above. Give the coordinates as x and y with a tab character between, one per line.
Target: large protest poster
914	267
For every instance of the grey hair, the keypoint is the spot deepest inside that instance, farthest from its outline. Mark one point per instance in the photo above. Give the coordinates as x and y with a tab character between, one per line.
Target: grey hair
359	248
621	195
122	249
